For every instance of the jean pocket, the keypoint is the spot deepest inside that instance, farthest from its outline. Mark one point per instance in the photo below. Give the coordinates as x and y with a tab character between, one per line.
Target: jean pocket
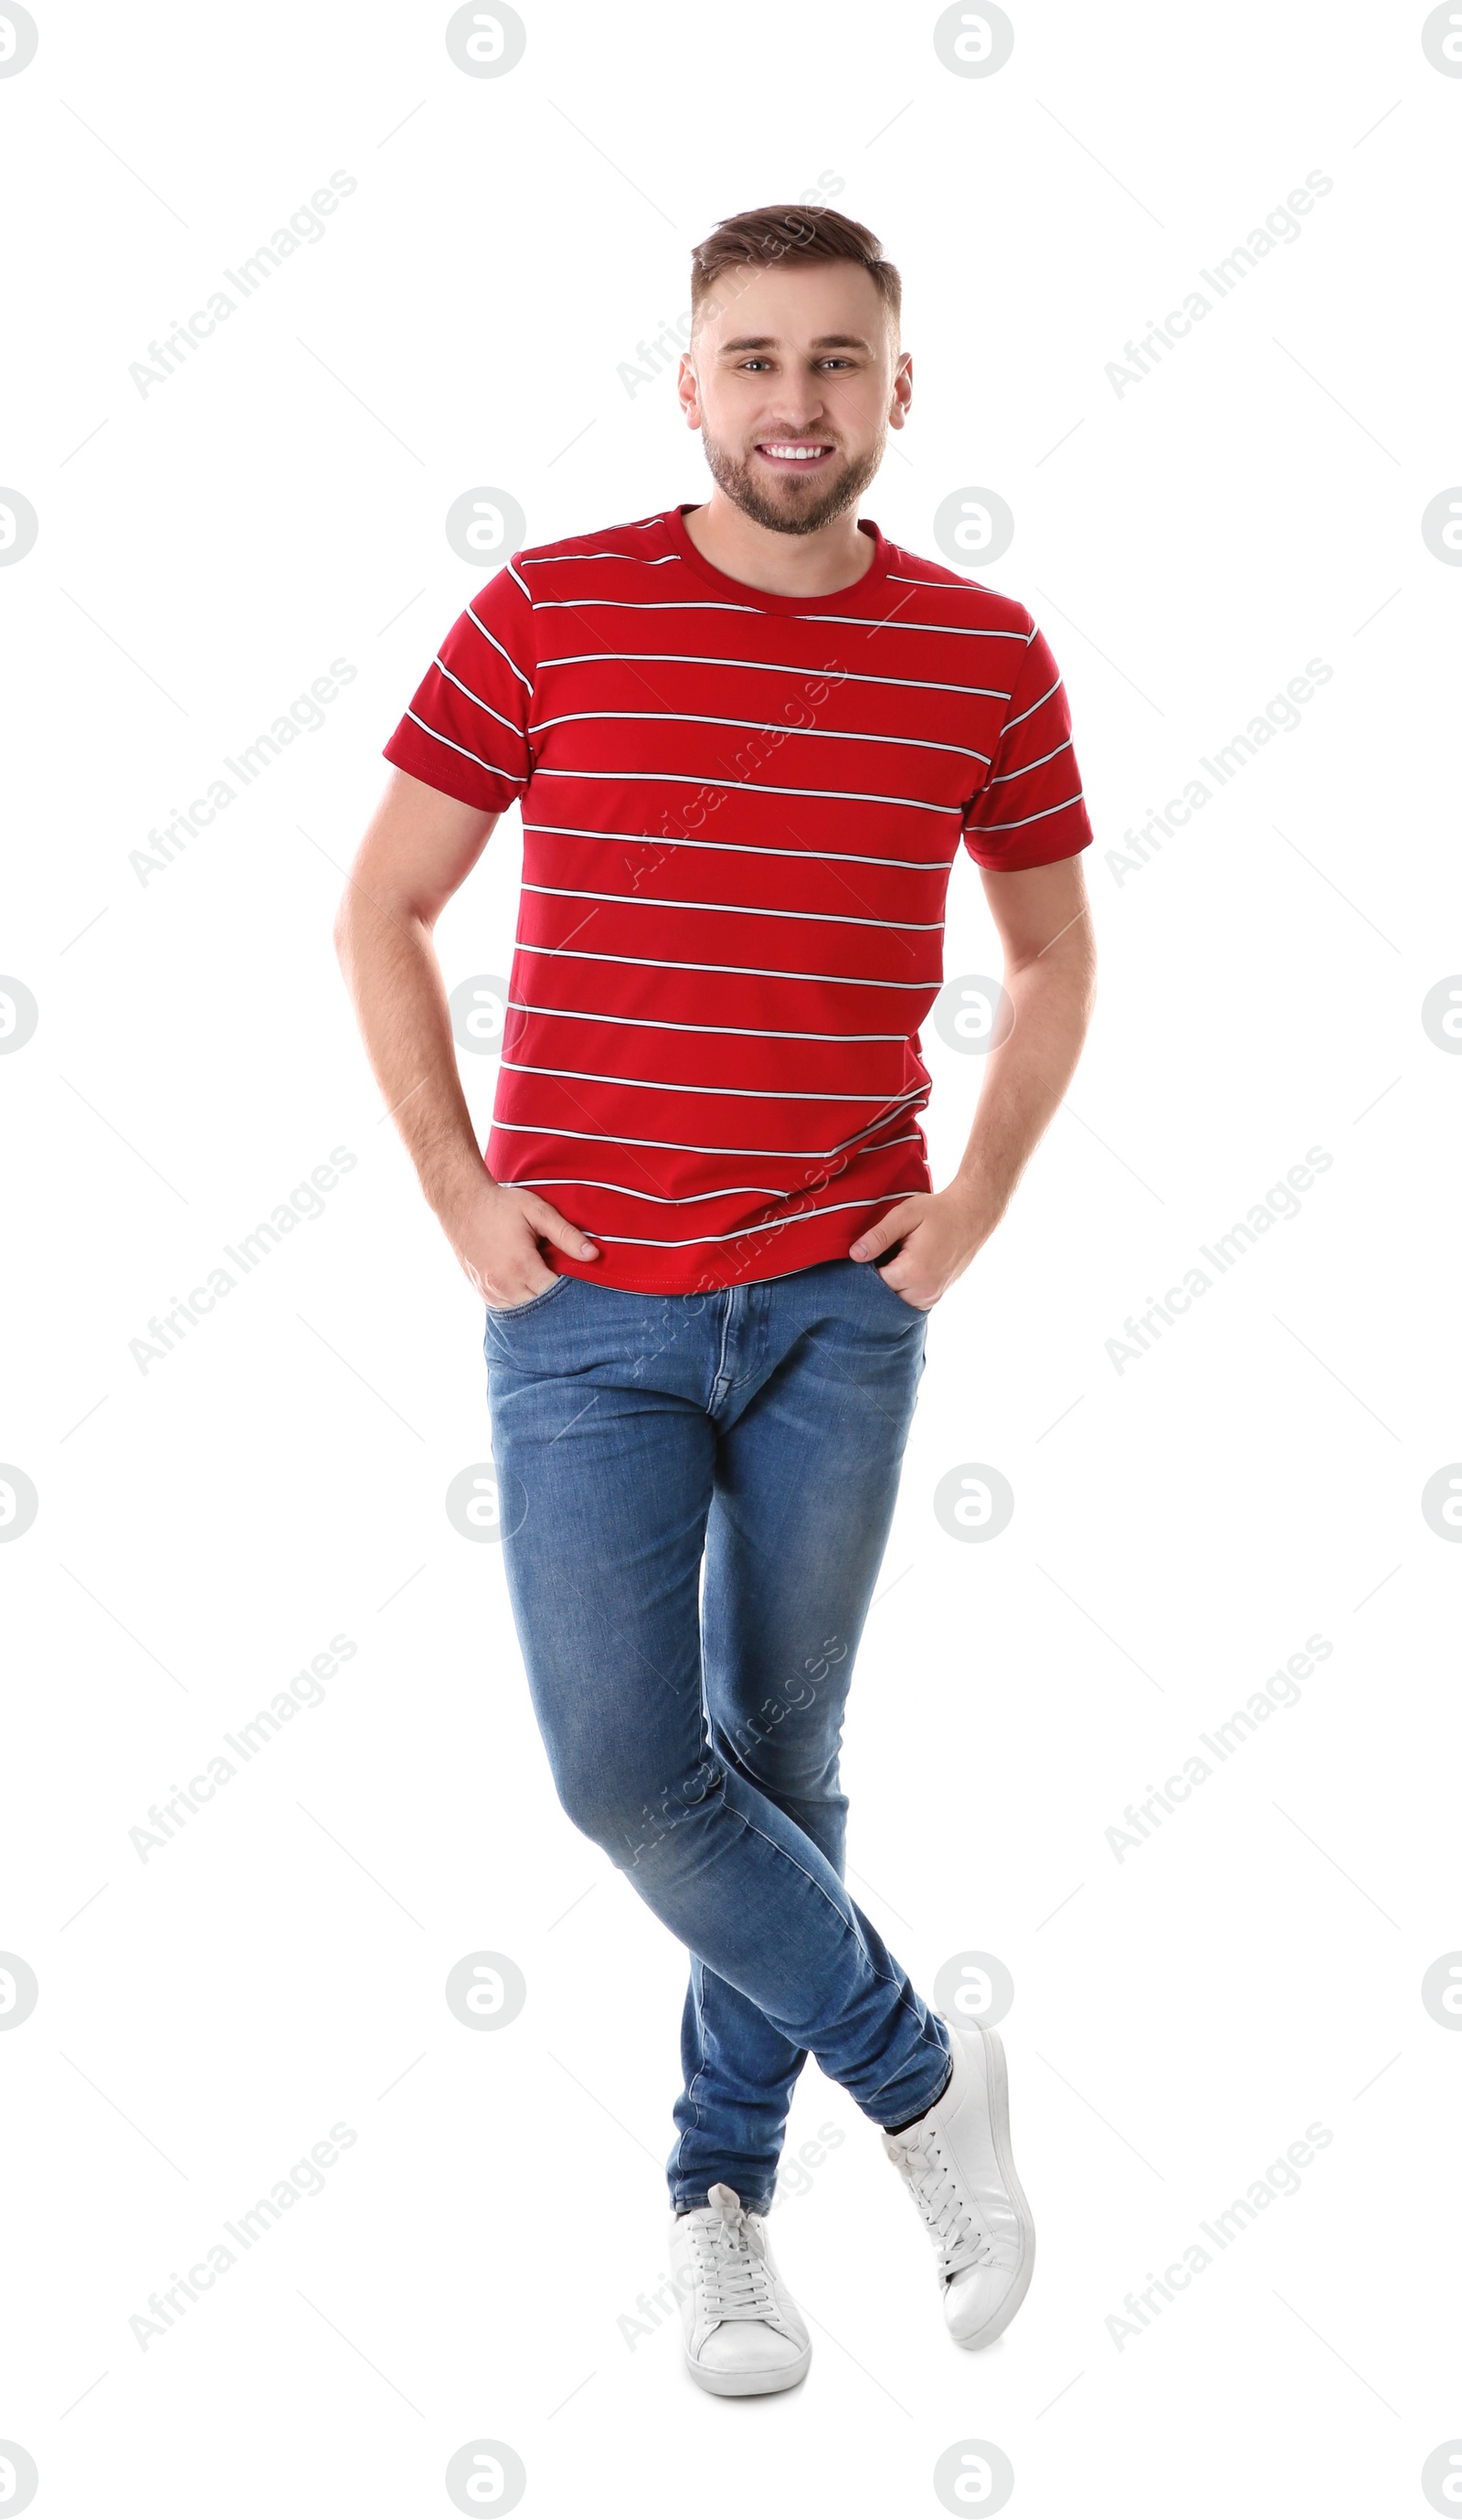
872	1269
515	1312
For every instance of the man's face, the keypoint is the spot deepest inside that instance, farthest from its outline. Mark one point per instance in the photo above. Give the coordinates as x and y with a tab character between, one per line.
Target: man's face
800	356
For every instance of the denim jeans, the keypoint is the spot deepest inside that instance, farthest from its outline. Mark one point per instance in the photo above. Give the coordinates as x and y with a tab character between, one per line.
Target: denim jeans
696	1493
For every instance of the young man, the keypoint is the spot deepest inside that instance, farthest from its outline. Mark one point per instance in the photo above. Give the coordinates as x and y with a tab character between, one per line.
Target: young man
748	739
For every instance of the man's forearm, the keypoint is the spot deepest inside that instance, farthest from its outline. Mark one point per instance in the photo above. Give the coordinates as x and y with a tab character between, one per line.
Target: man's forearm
395	980
1027	1075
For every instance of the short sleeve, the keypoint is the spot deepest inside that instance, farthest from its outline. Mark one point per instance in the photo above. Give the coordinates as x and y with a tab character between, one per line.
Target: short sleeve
1029	811
466	729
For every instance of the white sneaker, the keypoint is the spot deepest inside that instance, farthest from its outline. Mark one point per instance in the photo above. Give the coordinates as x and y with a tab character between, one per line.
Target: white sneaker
744	2334
956	2163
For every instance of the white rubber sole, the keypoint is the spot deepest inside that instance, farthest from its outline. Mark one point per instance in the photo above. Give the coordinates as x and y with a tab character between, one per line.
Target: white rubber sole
997	2085
750	2384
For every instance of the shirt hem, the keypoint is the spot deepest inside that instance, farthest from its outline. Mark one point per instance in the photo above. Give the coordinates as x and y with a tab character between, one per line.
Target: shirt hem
818	1237
462	784
1024	862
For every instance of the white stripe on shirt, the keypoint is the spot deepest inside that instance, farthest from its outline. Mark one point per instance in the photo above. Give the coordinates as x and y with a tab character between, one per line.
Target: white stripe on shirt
1028	766
942	586
742	848
663	1198
747	787
680	1147
511	725
627	604
755	665
513	776
737	1093
846	620
767	1225
1031	711
1042	816
753	725
561	559
891	622
746	970
502	651
737	908
664	1023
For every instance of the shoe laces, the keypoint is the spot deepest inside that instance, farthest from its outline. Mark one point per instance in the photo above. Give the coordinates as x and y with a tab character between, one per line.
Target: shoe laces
728	2251
942	2200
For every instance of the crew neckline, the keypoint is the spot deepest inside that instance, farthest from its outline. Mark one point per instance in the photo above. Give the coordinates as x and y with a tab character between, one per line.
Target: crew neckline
761	598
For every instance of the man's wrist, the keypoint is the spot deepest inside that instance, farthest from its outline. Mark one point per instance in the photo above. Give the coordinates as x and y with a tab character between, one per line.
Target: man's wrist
983	1200
456	1190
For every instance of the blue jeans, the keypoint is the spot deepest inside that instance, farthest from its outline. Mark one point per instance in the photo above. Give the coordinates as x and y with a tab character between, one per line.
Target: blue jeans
750	1437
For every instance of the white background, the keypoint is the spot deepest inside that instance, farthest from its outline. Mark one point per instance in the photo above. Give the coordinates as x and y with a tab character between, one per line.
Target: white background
1182	1526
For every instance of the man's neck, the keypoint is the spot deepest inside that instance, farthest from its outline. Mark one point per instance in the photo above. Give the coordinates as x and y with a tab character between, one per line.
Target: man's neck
836	556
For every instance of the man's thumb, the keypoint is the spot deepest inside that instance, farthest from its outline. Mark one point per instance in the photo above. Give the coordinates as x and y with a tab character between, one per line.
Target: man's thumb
875	1239
557	1229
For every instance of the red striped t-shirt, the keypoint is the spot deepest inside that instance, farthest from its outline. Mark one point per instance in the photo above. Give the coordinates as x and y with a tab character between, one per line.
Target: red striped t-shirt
739	815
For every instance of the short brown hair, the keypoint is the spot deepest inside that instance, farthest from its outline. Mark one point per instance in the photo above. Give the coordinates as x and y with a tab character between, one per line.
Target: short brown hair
791	232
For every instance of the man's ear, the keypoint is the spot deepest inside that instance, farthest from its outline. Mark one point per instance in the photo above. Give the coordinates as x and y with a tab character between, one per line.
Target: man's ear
689	402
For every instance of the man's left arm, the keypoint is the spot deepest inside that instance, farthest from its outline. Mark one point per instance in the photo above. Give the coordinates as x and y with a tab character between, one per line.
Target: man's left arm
1044	926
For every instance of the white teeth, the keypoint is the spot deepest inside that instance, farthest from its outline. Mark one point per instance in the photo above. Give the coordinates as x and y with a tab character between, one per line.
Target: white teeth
796	454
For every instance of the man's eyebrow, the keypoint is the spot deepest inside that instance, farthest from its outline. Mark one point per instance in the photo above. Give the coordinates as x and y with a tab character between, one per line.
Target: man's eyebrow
769	341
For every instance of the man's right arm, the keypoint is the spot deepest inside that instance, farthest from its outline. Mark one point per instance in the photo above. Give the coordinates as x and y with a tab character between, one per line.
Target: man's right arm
420	846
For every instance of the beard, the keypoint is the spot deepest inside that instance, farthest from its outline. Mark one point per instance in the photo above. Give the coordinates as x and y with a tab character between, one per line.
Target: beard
780	501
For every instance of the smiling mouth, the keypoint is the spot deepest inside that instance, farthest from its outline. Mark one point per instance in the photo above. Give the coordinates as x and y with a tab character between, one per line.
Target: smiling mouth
794	455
